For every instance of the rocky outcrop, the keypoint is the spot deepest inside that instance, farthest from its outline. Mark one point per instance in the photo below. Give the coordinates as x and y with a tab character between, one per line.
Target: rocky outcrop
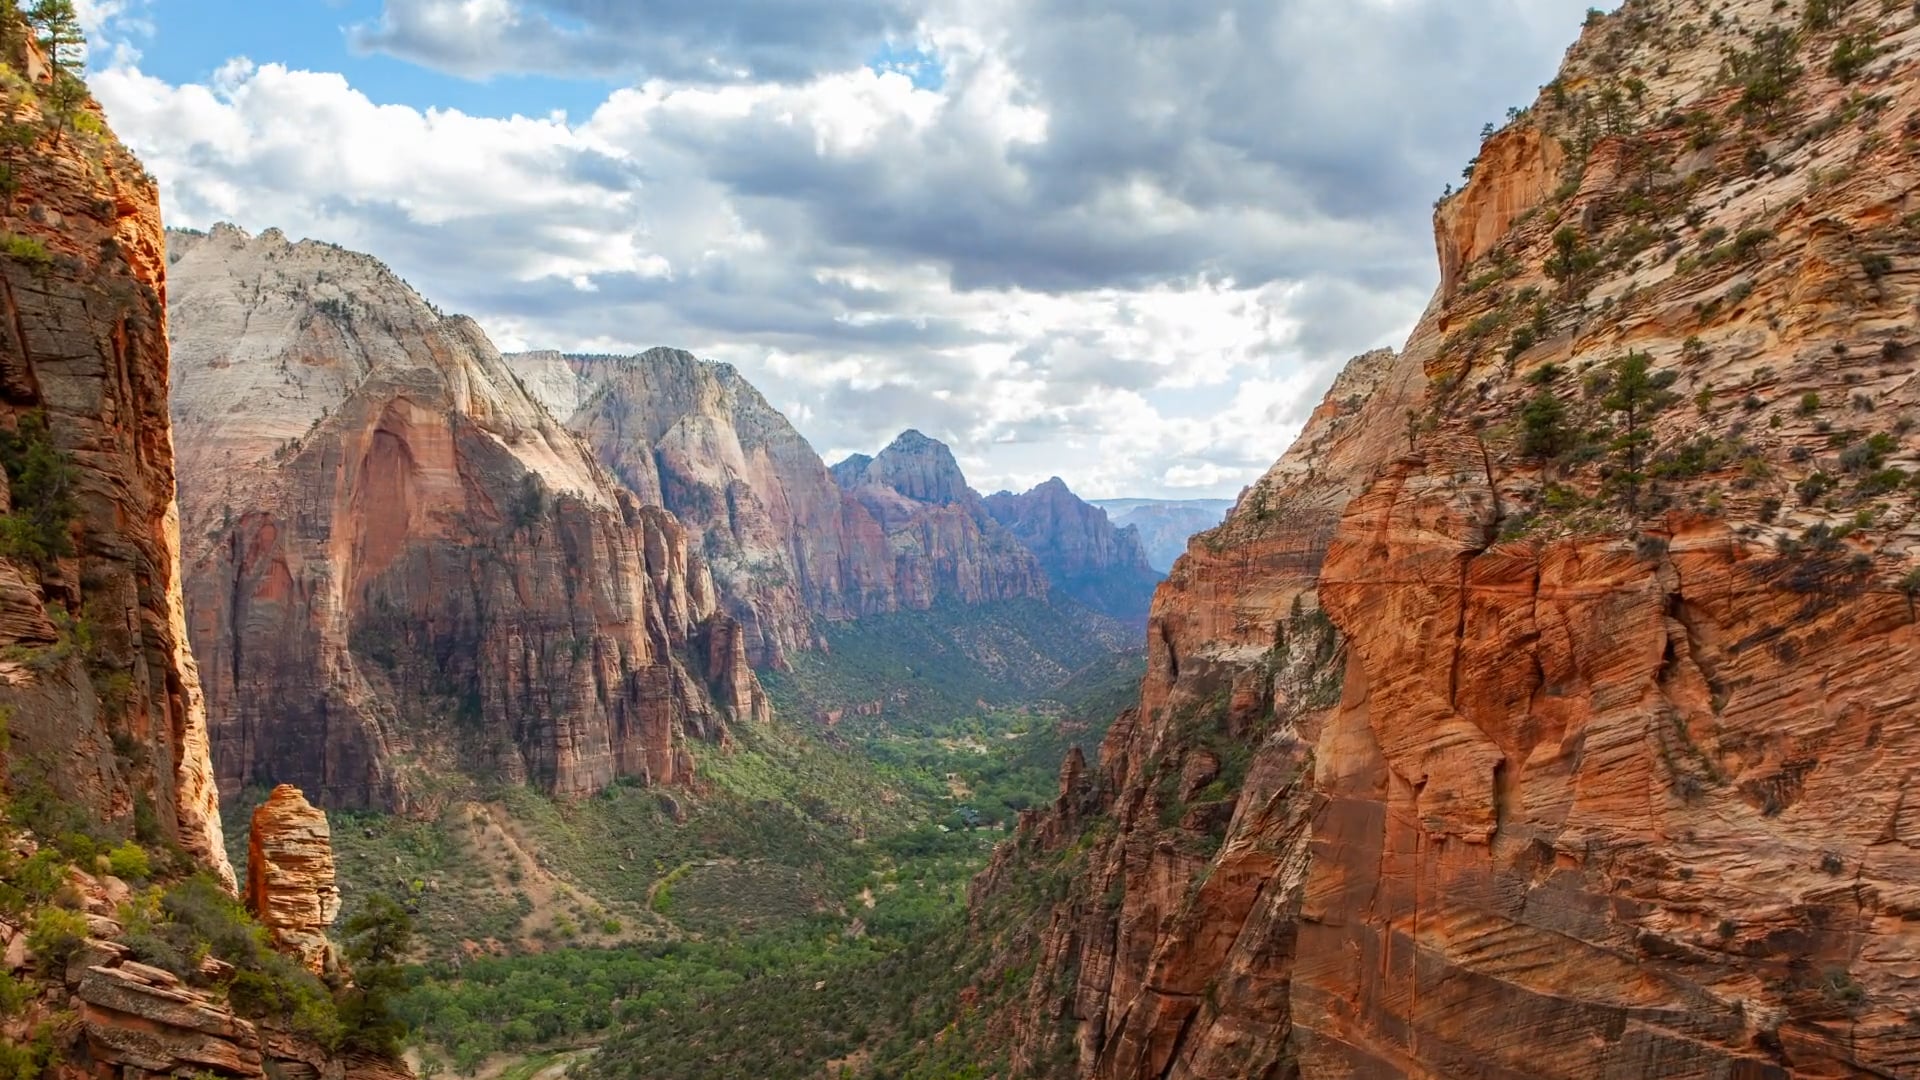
1547	711
945	543
1083	553
101	697
290	883
1165	526
139	1020
400	562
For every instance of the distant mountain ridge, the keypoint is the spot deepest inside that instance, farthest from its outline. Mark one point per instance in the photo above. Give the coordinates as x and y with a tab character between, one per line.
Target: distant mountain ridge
1166	525
789	538
1086	555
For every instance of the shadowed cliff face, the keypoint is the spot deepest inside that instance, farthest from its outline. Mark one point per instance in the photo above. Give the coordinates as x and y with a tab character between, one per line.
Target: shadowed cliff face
432	574
100	697
785	543
1548	710
1084	554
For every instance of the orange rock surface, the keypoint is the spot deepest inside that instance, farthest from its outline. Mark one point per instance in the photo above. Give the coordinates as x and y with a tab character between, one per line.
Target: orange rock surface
402	565
101	695
290	882
1530	718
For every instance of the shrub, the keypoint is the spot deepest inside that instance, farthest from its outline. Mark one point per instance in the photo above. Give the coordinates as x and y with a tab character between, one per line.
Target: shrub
39	528
25	249
54	936
129	861
13	995
1851	55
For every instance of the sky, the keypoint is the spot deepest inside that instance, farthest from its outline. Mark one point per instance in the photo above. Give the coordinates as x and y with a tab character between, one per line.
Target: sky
1124	242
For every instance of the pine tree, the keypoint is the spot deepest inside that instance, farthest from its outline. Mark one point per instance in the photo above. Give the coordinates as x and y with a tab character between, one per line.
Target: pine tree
1638	394
58	28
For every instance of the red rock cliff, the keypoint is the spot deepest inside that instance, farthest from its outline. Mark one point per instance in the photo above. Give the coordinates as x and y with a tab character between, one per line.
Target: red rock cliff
1598	761
400	561
99	692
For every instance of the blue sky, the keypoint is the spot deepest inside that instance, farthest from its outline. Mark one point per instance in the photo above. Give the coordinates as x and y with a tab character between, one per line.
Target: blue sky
191	39
1125	242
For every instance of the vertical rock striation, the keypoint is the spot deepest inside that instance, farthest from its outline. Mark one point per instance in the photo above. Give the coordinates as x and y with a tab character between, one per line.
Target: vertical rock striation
789	541
1549	710
100	694
785	544
945	544
399	560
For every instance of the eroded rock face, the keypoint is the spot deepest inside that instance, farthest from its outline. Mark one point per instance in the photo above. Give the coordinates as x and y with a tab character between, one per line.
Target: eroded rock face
1083	553
101	695
290	883
789	541
785	543
429	572
138	1020
1596	762
945	544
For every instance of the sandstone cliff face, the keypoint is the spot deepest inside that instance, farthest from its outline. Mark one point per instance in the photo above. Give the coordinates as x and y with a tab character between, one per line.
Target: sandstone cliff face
1083	553
788	540
945	543
401	561
785	543
1596	763
290	883
101	697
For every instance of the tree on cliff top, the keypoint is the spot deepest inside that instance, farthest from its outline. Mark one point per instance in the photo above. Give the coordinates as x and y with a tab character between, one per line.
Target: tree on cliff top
57	26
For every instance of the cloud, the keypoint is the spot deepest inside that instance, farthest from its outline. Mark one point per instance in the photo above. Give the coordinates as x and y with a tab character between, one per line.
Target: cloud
1125	242
693	40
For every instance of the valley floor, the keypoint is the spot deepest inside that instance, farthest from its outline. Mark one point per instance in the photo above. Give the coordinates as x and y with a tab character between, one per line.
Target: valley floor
798	915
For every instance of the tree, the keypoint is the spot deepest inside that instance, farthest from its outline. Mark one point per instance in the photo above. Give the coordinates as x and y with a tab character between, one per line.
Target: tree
57	26
65	98
377	941
1638	394
1571	258
1544	433
1766	73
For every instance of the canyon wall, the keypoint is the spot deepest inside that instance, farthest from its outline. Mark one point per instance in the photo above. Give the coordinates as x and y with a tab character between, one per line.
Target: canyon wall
787	544
99	697
945	544
400	565
1085	555
1549	710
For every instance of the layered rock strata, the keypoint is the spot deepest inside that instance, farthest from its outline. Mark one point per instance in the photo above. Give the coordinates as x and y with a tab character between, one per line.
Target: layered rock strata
1548	711
401	563
100	695
290	881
